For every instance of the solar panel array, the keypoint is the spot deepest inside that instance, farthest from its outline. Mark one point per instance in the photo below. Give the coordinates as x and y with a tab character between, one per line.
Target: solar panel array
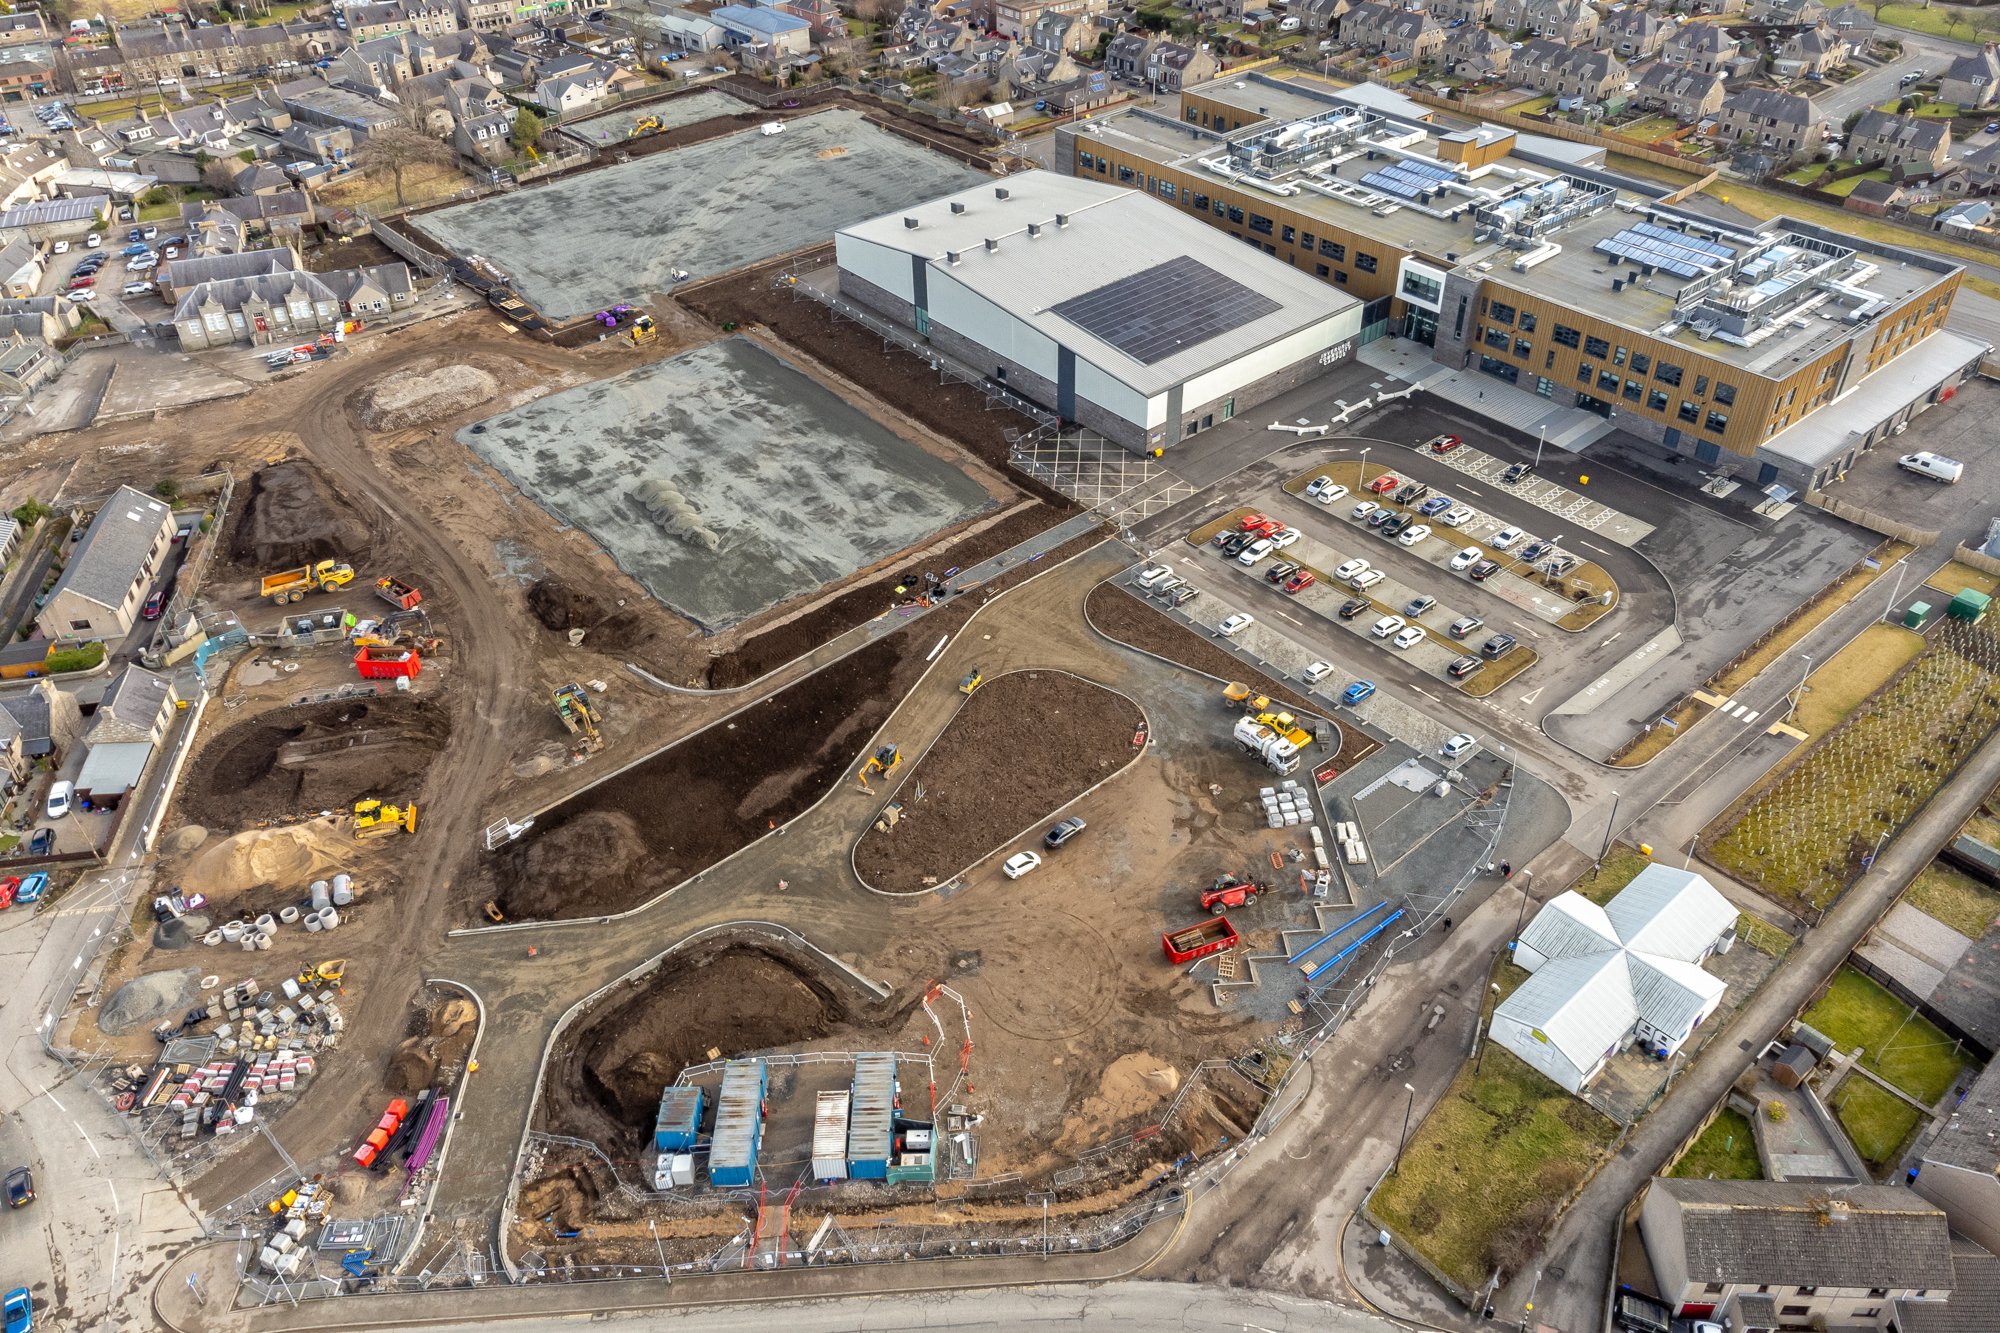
1165	309
1407	180
1662	248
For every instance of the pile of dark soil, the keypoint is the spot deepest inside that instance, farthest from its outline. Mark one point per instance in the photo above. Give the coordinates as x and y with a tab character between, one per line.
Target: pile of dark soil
321	757
605	1080
292	513
561	607
1023	746
567	1199
781	643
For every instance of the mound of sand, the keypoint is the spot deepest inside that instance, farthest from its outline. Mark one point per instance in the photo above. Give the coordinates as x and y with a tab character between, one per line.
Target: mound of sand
413	398
1131	1084
282	856
412	1067
292	514
144	1001
186	838
453	1017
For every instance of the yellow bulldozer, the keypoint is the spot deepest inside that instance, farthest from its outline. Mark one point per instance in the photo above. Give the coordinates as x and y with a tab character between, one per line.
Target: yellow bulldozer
884	761
643	331
377	819
1286	725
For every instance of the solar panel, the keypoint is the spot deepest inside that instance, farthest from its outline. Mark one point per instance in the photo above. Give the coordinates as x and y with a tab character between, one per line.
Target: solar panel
1683	256
1390	183
1165	309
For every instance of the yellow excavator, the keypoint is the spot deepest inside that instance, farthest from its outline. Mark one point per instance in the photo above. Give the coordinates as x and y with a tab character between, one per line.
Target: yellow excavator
377	819
578	713
884	761
644	125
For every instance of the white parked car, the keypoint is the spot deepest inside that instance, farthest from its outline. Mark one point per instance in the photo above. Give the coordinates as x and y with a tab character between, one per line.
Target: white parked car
1316	672
59	798
1386	626
1256	551
1411	636
1366	579
62	247
1318	486
1149	576
1332	493
1505	538
1364	509
1234	624
1284	537
1020	863
1457	745
94	240
1466	559
1350	569
1458	516
1411	536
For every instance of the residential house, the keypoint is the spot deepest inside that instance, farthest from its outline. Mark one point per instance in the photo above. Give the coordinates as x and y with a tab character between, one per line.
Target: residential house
1062	33
763	28
279	307
260	178
318	103
1787	13
178	276
1972	81
485	15
1811	53
1699	46
679	30
1172	66
26	364
1854	22
21	267
1571	22
316	143
370	293
1017	18
22	28
1688	95
1126	55
1979	172
1761	1254
47	318
1320	16
1469	13
1607	978
226	226
1634	35
1876	198
425	17
25	77
51	219
39	723
1473	52
1911	145
1568	71
484	138
137	706
99	592
1377	27
1784	124
829	25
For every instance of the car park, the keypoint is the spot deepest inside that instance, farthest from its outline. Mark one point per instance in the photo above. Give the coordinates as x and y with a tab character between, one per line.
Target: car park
1316	672
1364	509
1299	581
1356	692
1318	486
1444	444
1166	586
77	284
1182	596
1497	647
1463	626
1063	832
1386	626
1332	493
1396	525
1149	576
1463	667
145	289
1235	542
1415	535
1434	506
1458	516
1560	565
1353	607
1422	604
1256	551
1505	538
1514	473
1020	863
1255	522
1466	559
1350	569
1235	624
149	233
94	240
1409	637
1280	571
1412	493
1284	537
1366	579
1383	484
1483	571
1382	517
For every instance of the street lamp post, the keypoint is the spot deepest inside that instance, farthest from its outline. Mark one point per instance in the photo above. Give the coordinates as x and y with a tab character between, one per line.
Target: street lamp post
1410	1088
1800	692
1541	437
1362	481
1610	828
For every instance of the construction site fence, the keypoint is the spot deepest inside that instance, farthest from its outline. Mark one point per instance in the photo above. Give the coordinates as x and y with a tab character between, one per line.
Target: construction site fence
1976	558
1874	522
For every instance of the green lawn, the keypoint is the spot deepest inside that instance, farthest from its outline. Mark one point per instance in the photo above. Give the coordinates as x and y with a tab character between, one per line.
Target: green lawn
1481	1177
1840	189
1726	1150
1877	1123
1956	899
1904	1048
160	205
1621	866
1864	666
1937	20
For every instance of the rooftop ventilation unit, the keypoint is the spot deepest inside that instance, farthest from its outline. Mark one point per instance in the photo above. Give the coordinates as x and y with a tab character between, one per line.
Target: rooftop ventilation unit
909	224
1000	192
951	258
957	206
992	243
1062	219
1034	230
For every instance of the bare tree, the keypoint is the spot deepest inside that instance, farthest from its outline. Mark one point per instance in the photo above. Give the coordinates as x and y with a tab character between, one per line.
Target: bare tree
397	148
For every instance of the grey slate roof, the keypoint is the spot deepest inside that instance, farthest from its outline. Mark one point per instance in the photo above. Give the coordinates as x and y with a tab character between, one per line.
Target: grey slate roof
1763	1232
26	714
1785	108
113	548
1974	1306
1924	134
1970	1138
135	697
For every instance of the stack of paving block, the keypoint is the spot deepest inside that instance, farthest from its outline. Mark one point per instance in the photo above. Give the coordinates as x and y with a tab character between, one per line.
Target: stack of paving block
1348	834
1286	805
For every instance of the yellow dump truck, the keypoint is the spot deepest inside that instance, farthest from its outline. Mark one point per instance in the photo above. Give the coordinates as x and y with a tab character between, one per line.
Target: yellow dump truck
293	584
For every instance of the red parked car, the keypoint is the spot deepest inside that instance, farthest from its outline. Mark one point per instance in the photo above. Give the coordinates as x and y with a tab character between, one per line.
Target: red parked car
156	605
1252	522
77	284
1444	444
7	888
1383	484
1302	579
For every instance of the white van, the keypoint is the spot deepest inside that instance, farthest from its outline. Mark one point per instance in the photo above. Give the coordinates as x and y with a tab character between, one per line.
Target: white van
59	798
1935	466
1290	23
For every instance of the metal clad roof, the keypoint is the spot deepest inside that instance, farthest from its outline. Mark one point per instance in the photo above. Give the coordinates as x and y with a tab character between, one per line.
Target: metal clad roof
1570	926
739	1117
871	1119
680	1107
110	769
1584	1006
1672	913
1670	993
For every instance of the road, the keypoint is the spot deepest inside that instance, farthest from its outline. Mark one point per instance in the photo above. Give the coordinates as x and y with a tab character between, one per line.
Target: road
1877	84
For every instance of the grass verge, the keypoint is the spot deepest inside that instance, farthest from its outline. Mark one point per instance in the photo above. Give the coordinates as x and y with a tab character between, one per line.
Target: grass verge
1956	899
1726	1150
1898	1043
1651	743
1877	1123
1855	672
1483	1176
1762	936
1954	578
1621	866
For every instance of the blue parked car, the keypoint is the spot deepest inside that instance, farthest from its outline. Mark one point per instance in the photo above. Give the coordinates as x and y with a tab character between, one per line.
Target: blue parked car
32	888
20	1311
1437	504
1356	692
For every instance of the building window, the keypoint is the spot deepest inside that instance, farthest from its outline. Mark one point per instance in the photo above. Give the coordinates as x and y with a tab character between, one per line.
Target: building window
1795	1311
1523	348
80	626
1527	323
1596	347
1717	423
1877	1293
1566	336
1607	382
1545	388
1713	1288
1500	312
1306	239
1496	338
1233	213
1337	253
1218	210
1668	373
1103	166
1726	394
1168	190
1657	400
1808	1291
1322	270
1618	357
1426	289
1701	386
1197	201
1641	363
1870	1313
1126	175
1499	369
1288	234
1259	224
1549	359
1633	390
1366	263
1085	160
1689	412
